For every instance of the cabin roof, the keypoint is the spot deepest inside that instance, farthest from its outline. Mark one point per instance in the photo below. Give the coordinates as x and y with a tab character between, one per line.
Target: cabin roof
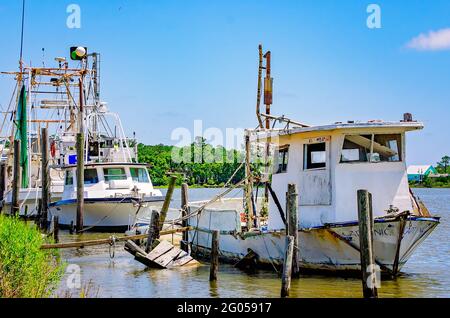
375	125
406	126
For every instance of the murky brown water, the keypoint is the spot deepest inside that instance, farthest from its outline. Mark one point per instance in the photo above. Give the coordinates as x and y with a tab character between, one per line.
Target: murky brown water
425	275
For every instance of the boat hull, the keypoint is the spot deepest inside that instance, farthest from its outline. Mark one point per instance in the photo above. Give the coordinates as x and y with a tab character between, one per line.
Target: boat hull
331	248
29	201
104	215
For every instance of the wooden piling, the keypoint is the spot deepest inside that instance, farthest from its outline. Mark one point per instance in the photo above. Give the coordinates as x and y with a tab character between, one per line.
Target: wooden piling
80	182
55	228
292	211
166	204
369	277
214	256
16	179
248	184
45	197
2	184
71	228
287	267
153	231
184	244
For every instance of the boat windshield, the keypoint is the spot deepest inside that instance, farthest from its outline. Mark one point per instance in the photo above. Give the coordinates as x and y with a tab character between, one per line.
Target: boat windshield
139	175
90	176
114	174
372	148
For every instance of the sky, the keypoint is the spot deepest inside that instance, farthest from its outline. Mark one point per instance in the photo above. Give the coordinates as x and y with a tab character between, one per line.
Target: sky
168	63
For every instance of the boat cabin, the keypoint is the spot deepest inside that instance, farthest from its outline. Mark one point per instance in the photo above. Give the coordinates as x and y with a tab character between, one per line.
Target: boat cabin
110	180
330	163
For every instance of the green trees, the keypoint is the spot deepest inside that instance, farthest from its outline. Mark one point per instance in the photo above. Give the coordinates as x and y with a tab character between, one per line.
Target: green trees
202	164
443	165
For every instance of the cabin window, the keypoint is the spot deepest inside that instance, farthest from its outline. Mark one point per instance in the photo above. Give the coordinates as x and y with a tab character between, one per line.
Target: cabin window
371	148
114	174
315	156
69	177
281	161
90	176
139	175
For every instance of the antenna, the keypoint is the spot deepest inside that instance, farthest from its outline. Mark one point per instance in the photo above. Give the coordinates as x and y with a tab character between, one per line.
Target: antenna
21	36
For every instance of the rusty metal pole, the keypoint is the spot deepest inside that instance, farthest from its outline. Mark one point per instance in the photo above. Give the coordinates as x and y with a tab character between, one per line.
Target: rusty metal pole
258	96
268	88
268	84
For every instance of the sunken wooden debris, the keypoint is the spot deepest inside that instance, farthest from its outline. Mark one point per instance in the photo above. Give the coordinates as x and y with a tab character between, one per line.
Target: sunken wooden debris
164	255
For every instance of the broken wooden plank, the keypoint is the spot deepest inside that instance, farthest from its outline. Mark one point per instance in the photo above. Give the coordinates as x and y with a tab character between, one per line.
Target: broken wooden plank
167	258
159	250
182	261
133	248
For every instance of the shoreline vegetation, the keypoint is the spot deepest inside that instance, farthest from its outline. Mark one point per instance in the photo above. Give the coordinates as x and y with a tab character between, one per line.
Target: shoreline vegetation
26	271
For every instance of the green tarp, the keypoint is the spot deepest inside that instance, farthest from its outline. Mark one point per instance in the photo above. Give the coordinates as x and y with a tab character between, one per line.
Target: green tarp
22	134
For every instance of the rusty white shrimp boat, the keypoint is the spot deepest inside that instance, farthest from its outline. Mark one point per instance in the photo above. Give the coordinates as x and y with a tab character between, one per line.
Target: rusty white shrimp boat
328	164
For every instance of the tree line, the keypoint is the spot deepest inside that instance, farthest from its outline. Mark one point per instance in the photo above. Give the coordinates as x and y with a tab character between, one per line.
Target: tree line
201	163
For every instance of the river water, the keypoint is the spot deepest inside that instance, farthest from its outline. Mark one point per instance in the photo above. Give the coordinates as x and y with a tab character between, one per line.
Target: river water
425	274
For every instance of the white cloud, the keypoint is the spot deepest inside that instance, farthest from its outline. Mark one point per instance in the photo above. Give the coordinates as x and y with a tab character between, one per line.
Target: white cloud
432	41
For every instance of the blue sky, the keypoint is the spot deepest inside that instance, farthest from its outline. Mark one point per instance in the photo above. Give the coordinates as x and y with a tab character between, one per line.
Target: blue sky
167	63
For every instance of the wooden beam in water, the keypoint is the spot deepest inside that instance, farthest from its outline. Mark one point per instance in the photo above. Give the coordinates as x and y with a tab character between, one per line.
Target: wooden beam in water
365	216
287	267
214	256
292	210
184	244
108	240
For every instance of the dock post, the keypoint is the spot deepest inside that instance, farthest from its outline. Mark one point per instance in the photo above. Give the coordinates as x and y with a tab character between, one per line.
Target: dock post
184	245
45	184
292	210
153	231
16	179
80	182
2	184
166	204
365	217
214	256
287	267
56	228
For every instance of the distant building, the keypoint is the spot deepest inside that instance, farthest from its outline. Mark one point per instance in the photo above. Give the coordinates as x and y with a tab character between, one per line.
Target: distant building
417	173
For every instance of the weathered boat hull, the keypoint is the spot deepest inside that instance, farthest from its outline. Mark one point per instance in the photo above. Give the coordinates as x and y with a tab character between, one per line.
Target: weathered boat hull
104	215
331	248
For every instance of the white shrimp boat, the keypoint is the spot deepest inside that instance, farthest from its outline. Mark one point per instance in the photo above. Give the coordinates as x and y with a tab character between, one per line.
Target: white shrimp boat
115	194
329	164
